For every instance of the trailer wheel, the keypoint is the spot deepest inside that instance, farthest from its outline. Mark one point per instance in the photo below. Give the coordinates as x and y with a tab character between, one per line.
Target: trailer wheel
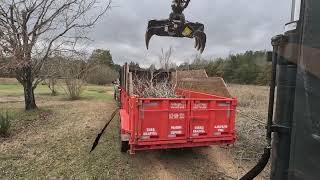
124	146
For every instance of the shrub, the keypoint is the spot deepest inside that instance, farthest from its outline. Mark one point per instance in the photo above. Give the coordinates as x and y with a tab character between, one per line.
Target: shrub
74	73
101	75
74	88
4	124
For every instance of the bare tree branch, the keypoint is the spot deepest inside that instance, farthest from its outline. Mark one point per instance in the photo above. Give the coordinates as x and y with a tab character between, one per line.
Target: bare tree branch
165	59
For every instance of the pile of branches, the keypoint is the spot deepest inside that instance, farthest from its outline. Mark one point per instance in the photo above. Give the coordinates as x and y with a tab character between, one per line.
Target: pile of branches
143	87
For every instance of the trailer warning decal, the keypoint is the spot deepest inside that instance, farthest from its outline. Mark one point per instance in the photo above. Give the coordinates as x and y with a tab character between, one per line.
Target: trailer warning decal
221	128
175	130
150	132
198	130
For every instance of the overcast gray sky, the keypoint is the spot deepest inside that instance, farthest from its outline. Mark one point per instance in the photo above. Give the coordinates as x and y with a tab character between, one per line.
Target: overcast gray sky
232	26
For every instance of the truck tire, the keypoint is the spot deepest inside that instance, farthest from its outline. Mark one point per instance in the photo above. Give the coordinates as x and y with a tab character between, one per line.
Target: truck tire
124	146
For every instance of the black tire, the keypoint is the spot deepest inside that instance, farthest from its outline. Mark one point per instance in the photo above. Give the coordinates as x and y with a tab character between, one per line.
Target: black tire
124	146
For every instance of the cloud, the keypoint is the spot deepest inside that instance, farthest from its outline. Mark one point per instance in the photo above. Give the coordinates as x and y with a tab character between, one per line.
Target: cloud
231	27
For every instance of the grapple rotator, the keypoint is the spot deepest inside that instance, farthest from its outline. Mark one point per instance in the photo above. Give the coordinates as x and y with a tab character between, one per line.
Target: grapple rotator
177	26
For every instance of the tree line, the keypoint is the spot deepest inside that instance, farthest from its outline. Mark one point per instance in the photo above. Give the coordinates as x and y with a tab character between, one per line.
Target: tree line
250	67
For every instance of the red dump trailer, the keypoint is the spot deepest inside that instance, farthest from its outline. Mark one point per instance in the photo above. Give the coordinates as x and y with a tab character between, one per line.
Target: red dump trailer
194	119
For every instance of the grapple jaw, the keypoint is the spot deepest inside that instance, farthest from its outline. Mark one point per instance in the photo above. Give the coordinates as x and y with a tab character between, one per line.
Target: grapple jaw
177	28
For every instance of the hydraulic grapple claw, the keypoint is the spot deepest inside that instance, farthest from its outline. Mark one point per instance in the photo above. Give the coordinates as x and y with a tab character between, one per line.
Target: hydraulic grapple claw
148	36
196	43
176	29
177	26
201	40
156	27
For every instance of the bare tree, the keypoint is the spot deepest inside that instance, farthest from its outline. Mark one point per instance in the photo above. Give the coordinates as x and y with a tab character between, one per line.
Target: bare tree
31	30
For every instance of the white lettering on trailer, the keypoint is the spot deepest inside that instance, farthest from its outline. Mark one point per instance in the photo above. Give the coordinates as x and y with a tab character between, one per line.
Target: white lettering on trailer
176	116
178	105
198	129
181	115
176	127
221	126
200	106
150	132
175	132
151	129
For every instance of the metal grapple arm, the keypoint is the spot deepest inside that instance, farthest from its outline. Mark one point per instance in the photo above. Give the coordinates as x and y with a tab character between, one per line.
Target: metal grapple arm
177	26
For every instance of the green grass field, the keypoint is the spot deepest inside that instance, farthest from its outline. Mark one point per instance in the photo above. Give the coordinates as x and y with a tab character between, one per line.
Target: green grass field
89	91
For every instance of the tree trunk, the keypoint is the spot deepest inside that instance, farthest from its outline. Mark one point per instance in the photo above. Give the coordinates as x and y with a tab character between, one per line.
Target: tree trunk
30	103
51	85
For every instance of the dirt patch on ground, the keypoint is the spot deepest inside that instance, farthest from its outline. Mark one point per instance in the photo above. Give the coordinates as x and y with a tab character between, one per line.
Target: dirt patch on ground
8	81
12	99
179	164
223	158
228	163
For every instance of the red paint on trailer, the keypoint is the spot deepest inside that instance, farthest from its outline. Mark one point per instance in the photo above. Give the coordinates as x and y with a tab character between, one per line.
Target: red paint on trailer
196	119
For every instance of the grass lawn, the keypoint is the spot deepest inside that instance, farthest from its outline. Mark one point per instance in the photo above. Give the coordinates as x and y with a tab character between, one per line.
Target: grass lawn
89	92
